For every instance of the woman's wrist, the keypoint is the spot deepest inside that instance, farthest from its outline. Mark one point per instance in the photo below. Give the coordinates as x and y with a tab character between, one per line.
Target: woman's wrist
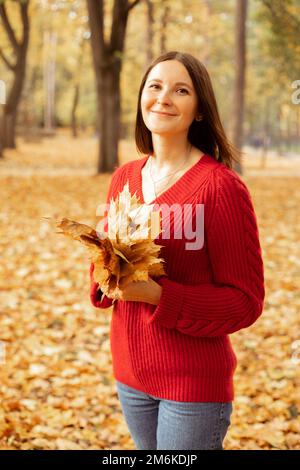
155	295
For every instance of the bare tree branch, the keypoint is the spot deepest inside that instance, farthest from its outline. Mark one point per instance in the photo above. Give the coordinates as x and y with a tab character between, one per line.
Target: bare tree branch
6	61
20	48
25	20
8	28
280	12
132	5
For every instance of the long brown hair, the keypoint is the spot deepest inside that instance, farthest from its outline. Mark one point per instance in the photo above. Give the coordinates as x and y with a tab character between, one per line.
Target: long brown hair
208	135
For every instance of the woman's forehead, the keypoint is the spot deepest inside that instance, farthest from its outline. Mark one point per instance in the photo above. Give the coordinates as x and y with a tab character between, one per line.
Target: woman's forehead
171	70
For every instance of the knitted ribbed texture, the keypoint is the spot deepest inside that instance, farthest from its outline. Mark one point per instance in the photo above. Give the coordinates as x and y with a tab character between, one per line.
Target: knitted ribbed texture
180	349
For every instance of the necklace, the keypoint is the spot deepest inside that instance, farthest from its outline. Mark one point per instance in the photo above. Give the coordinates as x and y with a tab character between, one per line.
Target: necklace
132	223
170	174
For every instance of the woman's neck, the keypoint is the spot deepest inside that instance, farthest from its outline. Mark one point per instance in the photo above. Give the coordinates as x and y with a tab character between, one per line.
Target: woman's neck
170	153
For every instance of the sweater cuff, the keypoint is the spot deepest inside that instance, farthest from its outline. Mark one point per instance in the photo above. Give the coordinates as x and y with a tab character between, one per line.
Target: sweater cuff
95	296
170	304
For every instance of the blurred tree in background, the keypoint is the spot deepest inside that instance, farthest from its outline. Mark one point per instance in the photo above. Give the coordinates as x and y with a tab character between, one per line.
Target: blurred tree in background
108	59
59	87
16	64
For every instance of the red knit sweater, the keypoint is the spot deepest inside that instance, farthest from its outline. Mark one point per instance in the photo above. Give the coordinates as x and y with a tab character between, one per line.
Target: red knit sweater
180	349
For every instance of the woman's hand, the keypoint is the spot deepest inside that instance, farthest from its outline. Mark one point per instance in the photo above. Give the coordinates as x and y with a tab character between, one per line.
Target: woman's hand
139	291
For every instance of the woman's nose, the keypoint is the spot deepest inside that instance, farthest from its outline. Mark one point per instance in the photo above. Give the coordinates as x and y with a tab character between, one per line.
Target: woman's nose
163	96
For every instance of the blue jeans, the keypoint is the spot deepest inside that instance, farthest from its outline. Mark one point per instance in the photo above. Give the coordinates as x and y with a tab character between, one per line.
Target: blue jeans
156	423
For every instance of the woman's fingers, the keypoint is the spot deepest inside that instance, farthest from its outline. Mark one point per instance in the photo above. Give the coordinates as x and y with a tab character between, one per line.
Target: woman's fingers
114	295
110	295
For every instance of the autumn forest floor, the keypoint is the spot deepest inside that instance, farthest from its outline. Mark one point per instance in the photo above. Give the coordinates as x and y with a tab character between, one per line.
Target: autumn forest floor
56	383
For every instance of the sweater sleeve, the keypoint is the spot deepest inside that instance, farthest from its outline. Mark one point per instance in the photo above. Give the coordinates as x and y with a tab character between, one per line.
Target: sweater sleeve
234	299
116	185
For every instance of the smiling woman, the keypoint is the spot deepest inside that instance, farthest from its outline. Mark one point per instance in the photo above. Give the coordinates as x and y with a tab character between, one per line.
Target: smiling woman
172	357
178	85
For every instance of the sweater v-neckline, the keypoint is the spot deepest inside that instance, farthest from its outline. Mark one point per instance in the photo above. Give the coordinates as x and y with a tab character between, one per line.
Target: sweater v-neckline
183	183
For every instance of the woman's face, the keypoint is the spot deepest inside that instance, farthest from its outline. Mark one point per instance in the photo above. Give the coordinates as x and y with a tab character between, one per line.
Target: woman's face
162	92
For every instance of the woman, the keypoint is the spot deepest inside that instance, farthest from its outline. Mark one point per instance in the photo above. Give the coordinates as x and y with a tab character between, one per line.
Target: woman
172	357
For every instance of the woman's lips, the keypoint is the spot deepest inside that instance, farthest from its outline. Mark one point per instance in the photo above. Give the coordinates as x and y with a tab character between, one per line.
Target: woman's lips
163	114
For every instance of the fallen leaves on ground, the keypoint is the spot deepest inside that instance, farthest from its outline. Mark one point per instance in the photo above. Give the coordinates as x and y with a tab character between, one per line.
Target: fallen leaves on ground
56	384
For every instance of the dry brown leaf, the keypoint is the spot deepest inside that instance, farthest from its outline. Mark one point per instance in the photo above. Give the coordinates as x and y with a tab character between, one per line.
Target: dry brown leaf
127	252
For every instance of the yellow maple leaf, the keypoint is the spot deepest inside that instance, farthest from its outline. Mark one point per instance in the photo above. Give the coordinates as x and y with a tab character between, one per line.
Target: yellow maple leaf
127	252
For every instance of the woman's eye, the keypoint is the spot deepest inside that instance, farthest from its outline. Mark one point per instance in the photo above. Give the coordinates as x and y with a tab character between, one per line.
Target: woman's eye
182	89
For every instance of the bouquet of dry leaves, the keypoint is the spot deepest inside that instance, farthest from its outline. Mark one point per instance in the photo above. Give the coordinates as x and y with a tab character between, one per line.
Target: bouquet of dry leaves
127	251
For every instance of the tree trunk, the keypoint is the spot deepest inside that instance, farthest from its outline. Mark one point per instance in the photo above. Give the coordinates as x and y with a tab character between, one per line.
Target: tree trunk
77	89
149	32
29	113
109	103
163	32
206	32
107	60
73	111
20	47
1	145
266	135
9	126
239	87
50	39
2	102
279	135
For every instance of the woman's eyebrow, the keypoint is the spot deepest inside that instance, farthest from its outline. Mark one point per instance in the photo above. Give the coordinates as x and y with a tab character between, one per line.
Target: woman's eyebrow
177	83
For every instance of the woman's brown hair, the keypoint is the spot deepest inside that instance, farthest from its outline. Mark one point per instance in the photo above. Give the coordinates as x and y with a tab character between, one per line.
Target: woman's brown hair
208	135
